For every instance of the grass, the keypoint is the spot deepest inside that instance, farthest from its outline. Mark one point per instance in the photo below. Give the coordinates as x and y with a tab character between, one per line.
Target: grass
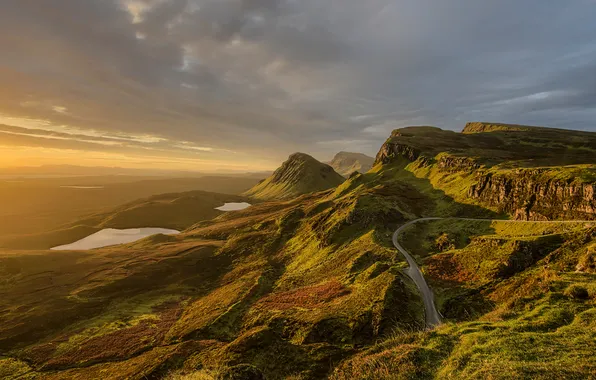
311	287
309	278
541	324
532	146
15	369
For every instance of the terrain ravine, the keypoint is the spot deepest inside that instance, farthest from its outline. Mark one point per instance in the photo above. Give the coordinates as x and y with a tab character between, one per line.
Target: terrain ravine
432	315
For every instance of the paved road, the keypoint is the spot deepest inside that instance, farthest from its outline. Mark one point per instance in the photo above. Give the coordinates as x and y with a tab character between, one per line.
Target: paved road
433	318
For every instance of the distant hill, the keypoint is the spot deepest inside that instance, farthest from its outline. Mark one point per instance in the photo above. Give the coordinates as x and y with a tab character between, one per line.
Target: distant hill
300	174
346	163
25	211
173	210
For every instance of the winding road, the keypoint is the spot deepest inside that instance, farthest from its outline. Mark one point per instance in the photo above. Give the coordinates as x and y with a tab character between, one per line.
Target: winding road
432	316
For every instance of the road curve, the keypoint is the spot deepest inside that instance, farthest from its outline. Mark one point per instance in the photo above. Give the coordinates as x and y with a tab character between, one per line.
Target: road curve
432	316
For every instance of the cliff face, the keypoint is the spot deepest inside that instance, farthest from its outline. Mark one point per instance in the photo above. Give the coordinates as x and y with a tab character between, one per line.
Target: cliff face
543	188
527	196
480	127
392	150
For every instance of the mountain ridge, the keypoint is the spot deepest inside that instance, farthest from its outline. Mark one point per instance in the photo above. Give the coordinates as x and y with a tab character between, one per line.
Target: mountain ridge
530	173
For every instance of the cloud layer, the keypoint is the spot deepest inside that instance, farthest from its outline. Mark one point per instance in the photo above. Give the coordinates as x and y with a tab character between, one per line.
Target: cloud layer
234	79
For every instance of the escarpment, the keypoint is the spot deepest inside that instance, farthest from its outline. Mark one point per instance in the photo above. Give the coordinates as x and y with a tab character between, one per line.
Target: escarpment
390	151
528	195
530	173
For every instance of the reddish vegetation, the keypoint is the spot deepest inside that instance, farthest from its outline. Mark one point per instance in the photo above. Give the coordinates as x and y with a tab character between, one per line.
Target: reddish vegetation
40	353
121	344
444	267
306	297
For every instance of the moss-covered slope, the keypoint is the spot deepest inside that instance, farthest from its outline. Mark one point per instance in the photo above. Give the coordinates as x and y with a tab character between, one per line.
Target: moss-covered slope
288	287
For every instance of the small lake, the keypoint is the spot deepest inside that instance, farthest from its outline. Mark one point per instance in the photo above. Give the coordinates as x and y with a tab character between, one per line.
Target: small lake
233	206
112	236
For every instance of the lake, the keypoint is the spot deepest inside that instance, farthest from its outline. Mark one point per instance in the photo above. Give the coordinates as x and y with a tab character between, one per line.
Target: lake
233	206
112	236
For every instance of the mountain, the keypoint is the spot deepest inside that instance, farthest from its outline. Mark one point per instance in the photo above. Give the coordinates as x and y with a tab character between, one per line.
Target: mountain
346	163
313	287
300	174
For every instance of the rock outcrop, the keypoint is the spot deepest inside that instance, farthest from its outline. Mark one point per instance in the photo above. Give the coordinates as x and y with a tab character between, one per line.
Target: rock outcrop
481	127
392	150
528	195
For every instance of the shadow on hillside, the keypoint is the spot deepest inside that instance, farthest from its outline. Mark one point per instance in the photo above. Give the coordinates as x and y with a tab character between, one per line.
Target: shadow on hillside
440	204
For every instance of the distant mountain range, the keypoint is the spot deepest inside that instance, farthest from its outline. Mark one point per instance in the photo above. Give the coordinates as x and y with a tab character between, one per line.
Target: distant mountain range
346	163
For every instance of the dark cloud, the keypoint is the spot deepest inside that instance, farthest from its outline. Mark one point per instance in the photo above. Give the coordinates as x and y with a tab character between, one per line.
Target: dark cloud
266	77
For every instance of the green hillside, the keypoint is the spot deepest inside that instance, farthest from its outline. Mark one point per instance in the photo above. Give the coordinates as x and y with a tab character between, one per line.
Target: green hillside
311	287
300	174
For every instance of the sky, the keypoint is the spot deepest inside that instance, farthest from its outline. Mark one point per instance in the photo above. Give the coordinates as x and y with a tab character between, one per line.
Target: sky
241	84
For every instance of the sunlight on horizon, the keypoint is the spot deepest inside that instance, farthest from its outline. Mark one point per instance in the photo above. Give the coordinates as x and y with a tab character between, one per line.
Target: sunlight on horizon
12	157
155	152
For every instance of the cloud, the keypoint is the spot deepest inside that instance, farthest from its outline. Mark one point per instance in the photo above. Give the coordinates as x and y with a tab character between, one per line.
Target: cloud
263	78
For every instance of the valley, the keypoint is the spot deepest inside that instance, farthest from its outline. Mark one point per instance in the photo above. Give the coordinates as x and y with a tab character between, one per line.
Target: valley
456	255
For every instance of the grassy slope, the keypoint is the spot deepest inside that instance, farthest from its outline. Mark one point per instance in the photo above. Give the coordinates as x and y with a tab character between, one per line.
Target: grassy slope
534	320
531	147
346	163
300	174
295	288
287	286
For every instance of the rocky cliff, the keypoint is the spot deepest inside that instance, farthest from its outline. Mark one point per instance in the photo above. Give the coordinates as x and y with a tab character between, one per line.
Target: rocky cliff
532	195
519	170
480	127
